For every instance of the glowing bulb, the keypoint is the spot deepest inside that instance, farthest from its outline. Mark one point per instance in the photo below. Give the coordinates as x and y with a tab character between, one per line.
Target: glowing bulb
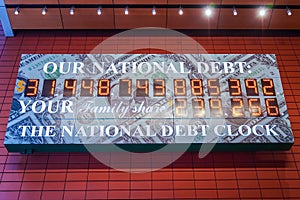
17	10
180	11
234	11
153	11
72	10
126	12
288	11
262	12
208	11
44	11
99	10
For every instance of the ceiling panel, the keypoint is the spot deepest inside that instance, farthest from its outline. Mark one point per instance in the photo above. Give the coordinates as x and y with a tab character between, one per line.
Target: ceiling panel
87	18
85	2
248	2
280	20
246	19
150	2
31	2
287	2
192	19
140	17
196	2
31	18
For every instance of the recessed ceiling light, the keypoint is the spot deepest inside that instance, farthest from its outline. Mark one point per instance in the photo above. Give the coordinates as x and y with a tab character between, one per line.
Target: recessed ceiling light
153	11
262	12
44	11
208	11
126	11
99	10
234	11
72	10
17	10
180	11
288	11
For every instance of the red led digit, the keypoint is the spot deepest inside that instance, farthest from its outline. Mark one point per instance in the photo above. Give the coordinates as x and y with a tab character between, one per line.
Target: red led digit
198	107
159	87
87	86
237	107
104	87
215	107
197	87
179	87
32	87
272	107
125	87
251	87
69	87
254	107
213	87
180	107
268	87
142	87
49	88
234	87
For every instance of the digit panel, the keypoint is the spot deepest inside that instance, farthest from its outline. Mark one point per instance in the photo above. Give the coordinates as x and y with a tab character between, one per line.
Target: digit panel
216	108
32	87
159	87
70	87
87	86
125	87
181	109
251	87
49	88
196	86
268	87
179	87
234	87
237	107
104	88
142	87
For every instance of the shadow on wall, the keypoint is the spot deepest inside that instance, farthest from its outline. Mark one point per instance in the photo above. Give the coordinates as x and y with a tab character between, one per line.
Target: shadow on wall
63	161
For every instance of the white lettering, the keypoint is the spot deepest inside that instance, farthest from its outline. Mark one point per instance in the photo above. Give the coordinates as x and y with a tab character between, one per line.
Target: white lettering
167	130
49	130
221	128
270	130
24	106
241	131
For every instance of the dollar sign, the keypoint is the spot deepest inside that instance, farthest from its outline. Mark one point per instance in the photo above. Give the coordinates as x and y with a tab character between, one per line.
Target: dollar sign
20	86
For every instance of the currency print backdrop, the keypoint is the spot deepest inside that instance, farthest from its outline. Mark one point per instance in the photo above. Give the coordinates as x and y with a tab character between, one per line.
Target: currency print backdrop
62	102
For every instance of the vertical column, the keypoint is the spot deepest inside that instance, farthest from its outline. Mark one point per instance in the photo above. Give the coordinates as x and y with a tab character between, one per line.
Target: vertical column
8	32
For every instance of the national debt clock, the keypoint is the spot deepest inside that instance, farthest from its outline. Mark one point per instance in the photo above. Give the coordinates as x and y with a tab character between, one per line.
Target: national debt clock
67	102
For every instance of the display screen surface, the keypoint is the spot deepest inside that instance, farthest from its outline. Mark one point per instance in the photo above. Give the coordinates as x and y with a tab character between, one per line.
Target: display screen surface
82	99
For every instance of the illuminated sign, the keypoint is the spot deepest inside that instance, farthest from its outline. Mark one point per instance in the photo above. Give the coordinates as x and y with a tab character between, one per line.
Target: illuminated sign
66	102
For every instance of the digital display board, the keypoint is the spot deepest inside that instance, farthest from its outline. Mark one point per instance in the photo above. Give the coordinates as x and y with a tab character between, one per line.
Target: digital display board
72	100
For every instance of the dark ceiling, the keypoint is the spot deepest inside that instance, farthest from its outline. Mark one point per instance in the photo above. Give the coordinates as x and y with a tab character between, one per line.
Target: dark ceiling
167	16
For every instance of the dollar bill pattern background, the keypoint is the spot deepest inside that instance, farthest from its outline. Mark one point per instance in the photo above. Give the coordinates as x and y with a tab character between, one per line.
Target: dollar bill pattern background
31	67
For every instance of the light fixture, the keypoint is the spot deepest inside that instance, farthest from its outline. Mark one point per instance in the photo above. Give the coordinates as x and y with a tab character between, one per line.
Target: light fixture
288	11
72	10
153	11
99	10
180	11
17	10
208	11
126	11
234	11
262	12
44	11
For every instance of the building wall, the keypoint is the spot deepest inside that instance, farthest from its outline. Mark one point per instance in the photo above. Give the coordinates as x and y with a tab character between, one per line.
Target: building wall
232	175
